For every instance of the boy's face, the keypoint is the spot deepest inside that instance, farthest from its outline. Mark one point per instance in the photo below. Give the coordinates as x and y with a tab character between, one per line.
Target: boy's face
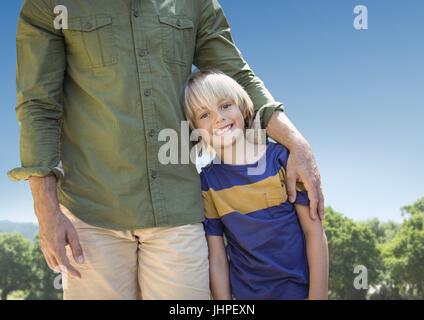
222	123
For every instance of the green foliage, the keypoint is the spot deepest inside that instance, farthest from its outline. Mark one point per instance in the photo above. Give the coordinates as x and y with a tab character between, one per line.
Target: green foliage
43	286
350	244
393	254
23	269
15	264
384	231
404	255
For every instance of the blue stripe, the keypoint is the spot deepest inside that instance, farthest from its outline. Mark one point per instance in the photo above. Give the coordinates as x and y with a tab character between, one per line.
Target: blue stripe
267	253
224	176
302	198
213	227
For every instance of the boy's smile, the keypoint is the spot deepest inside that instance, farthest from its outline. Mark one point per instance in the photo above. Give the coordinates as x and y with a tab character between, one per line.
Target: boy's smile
223	130
222	123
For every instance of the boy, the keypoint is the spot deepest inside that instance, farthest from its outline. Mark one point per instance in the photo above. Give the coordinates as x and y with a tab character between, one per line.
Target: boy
274	250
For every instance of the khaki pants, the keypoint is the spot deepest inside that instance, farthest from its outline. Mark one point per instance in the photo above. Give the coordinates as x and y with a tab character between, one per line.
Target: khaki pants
152	263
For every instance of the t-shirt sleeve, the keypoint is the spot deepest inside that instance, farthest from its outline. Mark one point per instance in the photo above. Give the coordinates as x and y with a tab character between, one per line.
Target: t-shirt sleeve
302	194
212	223
282	154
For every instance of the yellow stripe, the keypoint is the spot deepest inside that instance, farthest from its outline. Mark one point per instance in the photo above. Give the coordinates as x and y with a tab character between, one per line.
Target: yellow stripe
246	198
210	209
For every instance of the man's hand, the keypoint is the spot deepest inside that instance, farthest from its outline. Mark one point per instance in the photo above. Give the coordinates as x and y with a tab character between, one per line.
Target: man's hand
56	230
301	165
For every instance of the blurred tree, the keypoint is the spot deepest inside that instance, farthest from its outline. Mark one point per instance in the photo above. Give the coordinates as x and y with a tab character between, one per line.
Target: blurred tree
43	286
350	244
15	264
384	231
404	255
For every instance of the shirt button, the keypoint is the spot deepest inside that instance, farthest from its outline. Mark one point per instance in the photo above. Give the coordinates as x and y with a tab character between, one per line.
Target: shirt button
154	174
152	132
136	13
147	92
88	25
142	52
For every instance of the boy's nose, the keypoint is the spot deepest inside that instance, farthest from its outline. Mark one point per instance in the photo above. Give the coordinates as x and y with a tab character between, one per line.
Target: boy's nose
219	118
219	121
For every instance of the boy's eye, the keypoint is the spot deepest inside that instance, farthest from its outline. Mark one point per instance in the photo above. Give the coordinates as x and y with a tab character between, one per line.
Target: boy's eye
203	115
226	106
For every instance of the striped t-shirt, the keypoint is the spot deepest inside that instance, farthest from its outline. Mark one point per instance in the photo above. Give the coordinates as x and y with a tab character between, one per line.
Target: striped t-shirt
265	243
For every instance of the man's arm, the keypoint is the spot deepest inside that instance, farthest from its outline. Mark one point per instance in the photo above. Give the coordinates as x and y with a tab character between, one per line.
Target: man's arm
215	49
41	63
301	164
56	231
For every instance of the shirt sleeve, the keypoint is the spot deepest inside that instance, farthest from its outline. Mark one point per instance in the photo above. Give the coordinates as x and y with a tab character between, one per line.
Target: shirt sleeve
41	64
215	49
282	158
212	223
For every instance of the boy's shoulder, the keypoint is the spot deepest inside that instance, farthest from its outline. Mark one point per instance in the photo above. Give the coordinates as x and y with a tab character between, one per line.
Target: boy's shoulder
278	152
205	172
206	169
212	176
216	175
278	147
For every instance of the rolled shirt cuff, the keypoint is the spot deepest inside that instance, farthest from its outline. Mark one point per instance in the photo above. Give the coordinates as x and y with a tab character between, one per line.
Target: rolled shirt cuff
267	110
19	174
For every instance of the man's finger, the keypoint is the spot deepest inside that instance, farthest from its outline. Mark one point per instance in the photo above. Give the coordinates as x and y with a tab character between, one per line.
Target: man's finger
313	202
291	186
321	204
65	265
47	257
75	245
313	207
51	262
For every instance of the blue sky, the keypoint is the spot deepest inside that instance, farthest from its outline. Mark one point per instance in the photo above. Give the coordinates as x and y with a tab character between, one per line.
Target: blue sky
358	96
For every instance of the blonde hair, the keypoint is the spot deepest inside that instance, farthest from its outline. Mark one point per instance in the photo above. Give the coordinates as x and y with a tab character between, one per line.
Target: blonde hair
207	87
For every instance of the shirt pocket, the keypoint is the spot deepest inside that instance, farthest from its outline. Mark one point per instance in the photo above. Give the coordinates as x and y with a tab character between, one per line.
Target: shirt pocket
177	39
275	196
91	41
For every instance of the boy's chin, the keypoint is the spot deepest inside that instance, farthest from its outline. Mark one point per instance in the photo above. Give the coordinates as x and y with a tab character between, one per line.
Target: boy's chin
224	143
228	140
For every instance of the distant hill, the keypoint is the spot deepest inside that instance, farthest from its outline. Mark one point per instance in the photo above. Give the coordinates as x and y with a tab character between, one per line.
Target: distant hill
28	230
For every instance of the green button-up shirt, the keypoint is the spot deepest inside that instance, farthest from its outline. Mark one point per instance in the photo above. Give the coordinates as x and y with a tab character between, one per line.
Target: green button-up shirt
94	96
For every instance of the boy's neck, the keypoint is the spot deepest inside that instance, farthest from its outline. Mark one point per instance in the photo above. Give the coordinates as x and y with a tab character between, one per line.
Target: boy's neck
241	152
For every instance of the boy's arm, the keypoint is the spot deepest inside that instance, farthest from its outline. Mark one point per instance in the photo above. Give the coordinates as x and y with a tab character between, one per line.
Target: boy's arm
218	269
317	252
